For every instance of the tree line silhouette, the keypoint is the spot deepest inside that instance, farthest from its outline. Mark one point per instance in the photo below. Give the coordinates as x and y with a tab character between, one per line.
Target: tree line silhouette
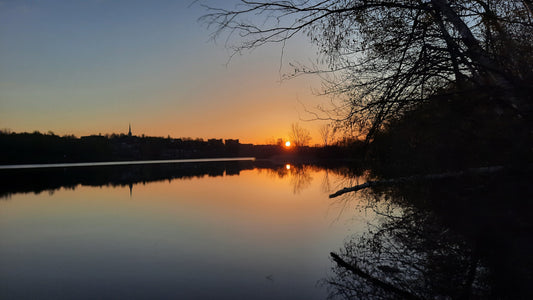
36	147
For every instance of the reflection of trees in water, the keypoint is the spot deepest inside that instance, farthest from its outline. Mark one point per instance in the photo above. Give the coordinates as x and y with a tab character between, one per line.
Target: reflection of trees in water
446	240
326	182
299	175
52	179
344	178
278	172
39	180
409	254
300	178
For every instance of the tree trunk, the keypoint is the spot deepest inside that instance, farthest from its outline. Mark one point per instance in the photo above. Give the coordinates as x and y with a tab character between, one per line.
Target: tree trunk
416	178
477	54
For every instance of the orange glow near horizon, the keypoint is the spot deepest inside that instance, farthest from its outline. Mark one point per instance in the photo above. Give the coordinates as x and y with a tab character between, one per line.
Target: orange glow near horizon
176	85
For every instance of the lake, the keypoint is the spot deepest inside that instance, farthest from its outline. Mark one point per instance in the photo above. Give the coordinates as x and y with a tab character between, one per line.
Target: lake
224	230
260	230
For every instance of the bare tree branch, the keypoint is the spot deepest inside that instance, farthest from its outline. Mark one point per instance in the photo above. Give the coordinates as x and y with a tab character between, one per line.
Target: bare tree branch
380	58
402	180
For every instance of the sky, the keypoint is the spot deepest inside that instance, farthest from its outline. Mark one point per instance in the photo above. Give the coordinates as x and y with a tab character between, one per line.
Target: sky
95	66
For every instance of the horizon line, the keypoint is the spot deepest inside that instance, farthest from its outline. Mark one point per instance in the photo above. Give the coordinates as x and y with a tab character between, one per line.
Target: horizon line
130	162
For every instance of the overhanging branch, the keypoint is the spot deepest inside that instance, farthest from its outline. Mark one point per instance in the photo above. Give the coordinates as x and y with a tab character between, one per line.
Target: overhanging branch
401	180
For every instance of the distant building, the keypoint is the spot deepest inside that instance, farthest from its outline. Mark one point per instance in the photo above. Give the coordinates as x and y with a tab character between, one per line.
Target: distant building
232	147
215	143
231	142
129	131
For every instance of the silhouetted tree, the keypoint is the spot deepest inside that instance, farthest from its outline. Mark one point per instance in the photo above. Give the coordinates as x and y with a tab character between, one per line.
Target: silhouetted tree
327	133
383	57
299	135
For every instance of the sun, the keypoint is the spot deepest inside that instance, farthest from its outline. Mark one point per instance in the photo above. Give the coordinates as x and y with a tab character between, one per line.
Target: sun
287	144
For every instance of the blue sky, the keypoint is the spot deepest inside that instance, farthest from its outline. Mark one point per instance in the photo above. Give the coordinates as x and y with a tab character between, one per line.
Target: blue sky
93	66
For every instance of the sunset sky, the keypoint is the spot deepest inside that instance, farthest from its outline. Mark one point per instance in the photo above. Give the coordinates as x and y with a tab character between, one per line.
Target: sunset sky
94	66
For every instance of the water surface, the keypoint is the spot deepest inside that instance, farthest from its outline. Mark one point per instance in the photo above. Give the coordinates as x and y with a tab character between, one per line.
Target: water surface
194	231
122	163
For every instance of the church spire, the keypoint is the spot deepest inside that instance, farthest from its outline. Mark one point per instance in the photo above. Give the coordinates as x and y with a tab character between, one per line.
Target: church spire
129	132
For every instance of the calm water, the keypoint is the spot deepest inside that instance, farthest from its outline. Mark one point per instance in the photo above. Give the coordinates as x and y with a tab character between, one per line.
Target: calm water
195	231
123	163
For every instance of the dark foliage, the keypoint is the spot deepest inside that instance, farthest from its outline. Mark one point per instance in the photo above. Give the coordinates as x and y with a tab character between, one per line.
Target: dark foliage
451	133
24	148
382	58
466	238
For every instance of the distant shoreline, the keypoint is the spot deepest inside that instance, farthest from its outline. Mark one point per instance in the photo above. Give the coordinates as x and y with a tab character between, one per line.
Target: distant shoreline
117	163
32	150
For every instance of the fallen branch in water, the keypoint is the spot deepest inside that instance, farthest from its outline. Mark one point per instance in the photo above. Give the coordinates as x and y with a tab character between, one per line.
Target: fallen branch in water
376	282
416	178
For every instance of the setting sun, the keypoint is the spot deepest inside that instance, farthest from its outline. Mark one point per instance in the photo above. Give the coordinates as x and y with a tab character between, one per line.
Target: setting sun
287	144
